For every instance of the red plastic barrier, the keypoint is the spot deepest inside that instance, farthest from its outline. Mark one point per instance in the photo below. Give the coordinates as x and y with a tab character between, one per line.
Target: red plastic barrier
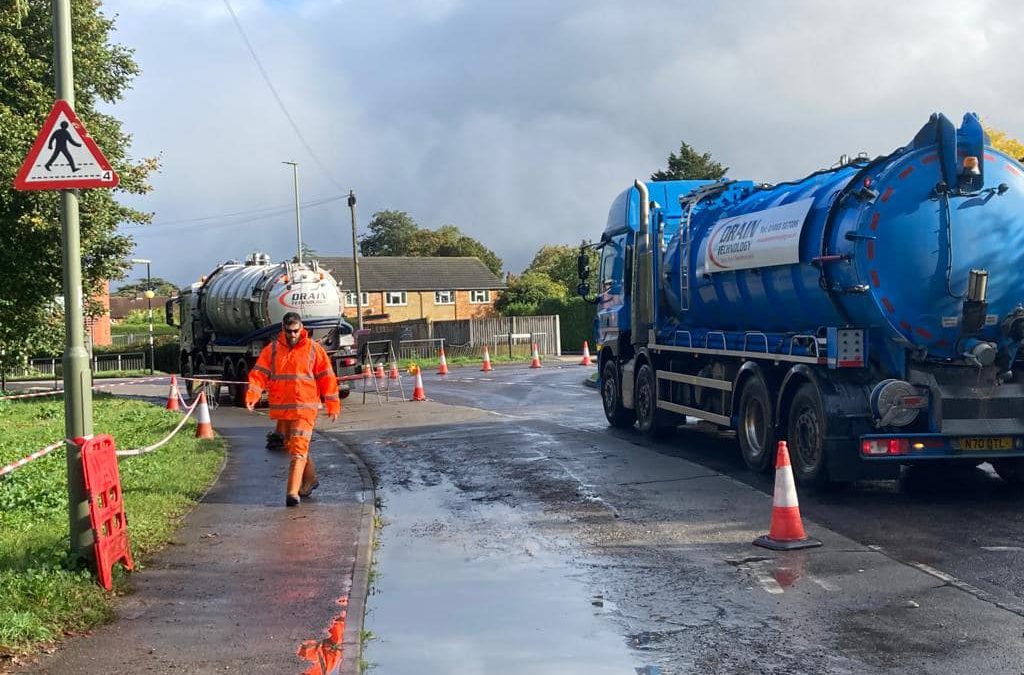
106	506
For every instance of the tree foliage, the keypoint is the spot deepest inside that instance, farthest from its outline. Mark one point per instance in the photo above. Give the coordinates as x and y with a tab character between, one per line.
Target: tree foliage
558	262
159	285
1002	141
690	164
29	318
395	233
525	293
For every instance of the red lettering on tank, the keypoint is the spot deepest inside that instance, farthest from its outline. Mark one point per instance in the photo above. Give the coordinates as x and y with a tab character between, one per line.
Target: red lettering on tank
989	158
874	221
906	326
1012	168
906	172
874	279
929	159
888	193
871	250
888	306
923	333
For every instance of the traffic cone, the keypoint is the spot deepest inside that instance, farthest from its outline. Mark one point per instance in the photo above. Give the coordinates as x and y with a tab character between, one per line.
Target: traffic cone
204	429
786	532
172	394
442	367
393	374
417	393
379	373
586	355
535	363
487	361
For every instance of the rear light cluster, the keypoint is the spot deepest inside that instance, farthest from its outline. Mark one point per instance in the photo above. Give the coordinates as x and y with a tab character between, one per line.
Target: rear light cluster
890	446
348	361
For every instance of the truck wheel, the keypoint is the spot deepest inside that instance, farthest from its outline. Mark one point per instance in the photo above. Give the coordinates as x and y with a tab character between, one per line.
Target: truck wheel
611	397
1010	470
807	437
650	420
755	430
241	375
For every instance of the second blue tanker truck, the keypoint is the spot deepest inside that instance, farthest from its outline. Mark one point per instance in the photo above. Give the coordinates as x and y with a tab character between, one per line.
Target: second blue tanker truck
870	314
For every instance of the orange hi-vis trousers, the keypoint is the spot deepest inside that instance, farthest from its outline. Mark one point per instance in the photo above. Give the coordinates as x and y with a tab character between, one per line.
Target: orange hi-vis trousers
301	470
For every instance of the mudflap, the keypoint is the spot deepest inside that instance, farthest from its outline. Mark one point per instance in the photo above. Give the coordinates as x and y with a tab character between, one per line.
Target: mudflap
845	465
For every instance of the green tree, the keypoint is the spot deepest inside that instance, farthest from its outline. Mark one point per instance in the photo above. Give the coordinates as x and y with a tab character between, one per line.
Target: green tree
159	285
391	233
689	164
558	262
395	233
30	320
526	292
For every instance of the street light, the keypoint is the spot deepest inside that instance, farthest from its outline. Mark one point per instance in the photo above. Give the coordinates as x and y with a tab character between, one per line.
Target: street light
149	302
298	223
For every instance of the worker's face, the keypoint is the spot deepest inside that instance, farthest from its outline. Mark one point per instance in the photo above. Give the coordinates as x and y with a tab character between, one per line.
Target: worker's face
292	332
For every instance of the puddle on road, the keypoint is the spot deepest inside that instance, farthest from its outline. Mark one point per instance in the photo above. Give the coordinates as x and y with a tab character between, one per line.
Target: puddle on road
476	591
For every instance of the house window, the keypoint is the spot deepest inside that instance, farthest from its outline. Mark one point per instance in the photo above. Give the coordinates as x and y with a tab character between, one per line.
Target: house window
350	298
444	297
479	297
394	298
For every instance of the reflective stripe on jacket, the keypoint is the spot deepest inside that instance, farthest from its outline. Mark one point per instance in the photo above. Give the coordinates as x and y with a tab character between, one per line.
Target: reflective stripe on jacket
296	379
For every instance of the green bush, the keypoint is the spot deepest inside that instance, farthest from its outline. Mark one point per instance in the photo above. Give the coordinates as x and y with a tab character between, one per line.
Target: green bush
576	320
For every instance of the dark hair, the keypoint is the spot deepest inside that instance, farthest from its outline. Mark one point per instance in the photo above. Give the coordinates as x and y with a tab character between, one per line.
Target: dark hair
291	317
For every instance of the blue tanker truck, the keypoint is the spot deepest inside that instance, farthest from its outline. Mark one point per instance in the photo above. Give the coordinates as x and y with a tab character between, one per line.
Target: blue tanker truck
870	314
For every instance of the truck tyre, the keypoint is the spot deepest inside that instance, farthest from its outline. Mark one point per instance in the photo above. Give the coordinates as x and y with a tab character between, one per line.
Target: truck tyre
755	430
1010	470
807	433
611	397
241	375
649	419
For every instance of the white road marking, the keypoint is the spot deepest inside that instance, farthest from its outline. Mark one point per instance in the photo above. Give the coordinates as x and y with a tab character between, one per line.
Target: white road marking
1001	548
827	585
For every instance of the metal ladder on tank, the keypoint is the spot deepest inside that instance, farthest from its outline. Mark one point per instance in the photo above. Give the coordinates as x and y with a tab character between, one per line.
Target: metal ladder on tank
381	352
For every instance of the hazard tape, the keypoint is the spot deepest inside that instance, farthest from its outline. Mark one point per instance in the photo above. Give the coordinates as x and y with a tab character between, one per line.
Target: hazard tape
56	392
156	446
35	455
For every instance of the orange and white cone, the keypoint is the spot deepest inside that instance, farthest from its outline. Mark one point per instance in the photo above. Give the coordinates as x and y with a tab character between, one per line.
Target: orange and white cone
367	373
442	367
786	532
586	355
487	361
393	373
172	395
379	373
535	363
417	393
204	429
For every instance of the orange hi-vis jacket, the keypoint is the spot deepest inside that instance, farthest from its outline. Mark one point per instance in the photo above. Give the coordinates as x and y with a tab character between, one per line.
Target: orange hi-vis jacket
296	379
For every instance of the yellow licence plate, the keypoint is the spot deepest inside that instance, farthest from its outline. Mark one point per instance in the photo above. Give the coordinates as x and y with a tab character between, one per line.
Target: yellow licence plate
1002	443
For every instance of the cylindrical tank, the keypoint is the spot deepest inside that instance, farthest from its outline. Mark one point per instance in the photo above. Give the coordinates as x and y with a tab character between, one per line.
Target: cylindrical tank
886	244
238	299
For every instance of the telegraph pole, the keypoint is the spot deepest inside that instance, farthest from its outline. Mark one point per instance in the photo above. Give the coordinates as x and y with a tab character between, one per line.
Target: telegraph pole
298	222
77	376
355	259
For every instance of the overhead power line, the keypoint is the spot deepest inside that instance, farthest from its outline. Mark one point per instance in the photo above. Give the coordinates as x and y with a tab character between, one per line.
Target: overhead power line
277	97
232	218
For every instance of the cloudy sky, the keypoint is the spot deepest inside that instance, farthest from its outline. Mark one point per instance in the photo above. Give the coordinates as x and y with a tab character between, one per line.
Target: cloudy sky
519	120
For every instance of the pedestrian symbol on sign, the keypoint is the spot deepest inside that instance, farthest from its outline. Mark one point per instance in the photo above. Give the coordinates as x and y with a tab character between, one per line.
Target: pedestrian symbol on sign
64	156
62	137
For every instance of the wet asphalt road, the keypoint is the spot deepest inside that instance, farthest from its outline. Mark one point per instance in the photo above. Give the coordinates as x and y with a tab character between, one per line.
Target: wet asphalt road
525	536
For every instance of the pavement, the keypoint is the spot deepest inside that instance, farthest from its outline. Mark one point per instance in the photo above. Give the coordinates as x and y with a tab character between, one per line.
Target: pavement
247	585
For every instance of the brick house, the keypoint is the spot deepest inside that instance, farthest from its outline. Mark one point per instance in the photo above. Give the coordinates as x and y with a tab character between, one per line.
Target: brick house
404	288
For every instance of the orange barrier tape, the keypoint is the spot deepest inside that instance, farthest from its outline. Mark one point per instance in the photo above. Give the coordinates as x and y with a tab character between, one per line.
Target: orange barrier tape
35	455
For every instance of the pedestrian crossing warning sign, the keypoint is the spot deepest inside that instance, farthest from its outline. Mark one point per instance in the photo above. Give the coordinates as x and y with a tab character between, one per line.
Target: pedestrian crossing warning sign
64	156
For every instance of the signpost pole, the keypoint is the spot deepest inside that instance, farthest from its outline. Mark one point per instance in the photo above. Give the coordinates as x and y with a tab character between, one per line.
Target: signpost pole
77	377
355	259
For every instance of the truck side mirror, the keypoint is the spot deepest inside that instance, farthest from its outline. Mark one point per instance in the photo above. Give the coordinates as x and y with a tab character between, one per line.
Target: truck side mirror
169	311
583	265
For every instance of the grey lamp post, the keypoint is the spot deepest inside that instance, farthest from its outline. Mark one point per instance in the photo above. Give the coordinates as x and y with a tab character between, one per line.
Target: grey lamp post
149	303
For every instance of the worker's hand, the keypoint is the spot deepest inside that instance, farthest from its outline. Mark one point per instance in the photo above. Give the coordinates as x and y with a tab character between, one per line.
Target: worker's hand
250	406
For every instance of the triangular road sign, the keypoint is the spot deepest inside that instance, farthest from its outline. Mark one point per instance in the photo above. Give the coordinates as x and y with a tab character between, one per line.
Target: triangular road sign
64	156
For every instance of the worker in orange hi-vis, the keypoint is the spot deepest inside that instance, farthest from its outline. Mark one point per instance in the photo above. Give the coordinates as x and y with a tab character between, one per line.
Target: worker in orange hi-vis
297	374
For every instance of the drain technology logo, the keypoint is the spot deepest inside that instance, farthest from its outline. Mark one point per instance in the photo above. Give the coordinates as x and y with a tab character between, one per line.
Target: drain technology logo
296	299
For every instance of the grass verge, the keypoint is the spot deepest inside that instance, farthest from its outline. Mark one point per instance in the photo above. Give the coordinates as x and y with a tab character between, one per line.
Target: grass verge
43	593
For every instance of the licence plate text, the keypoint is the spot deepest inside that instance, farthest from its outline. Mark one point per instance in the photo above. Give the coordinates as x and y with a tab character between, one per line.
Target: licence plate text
1001	443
